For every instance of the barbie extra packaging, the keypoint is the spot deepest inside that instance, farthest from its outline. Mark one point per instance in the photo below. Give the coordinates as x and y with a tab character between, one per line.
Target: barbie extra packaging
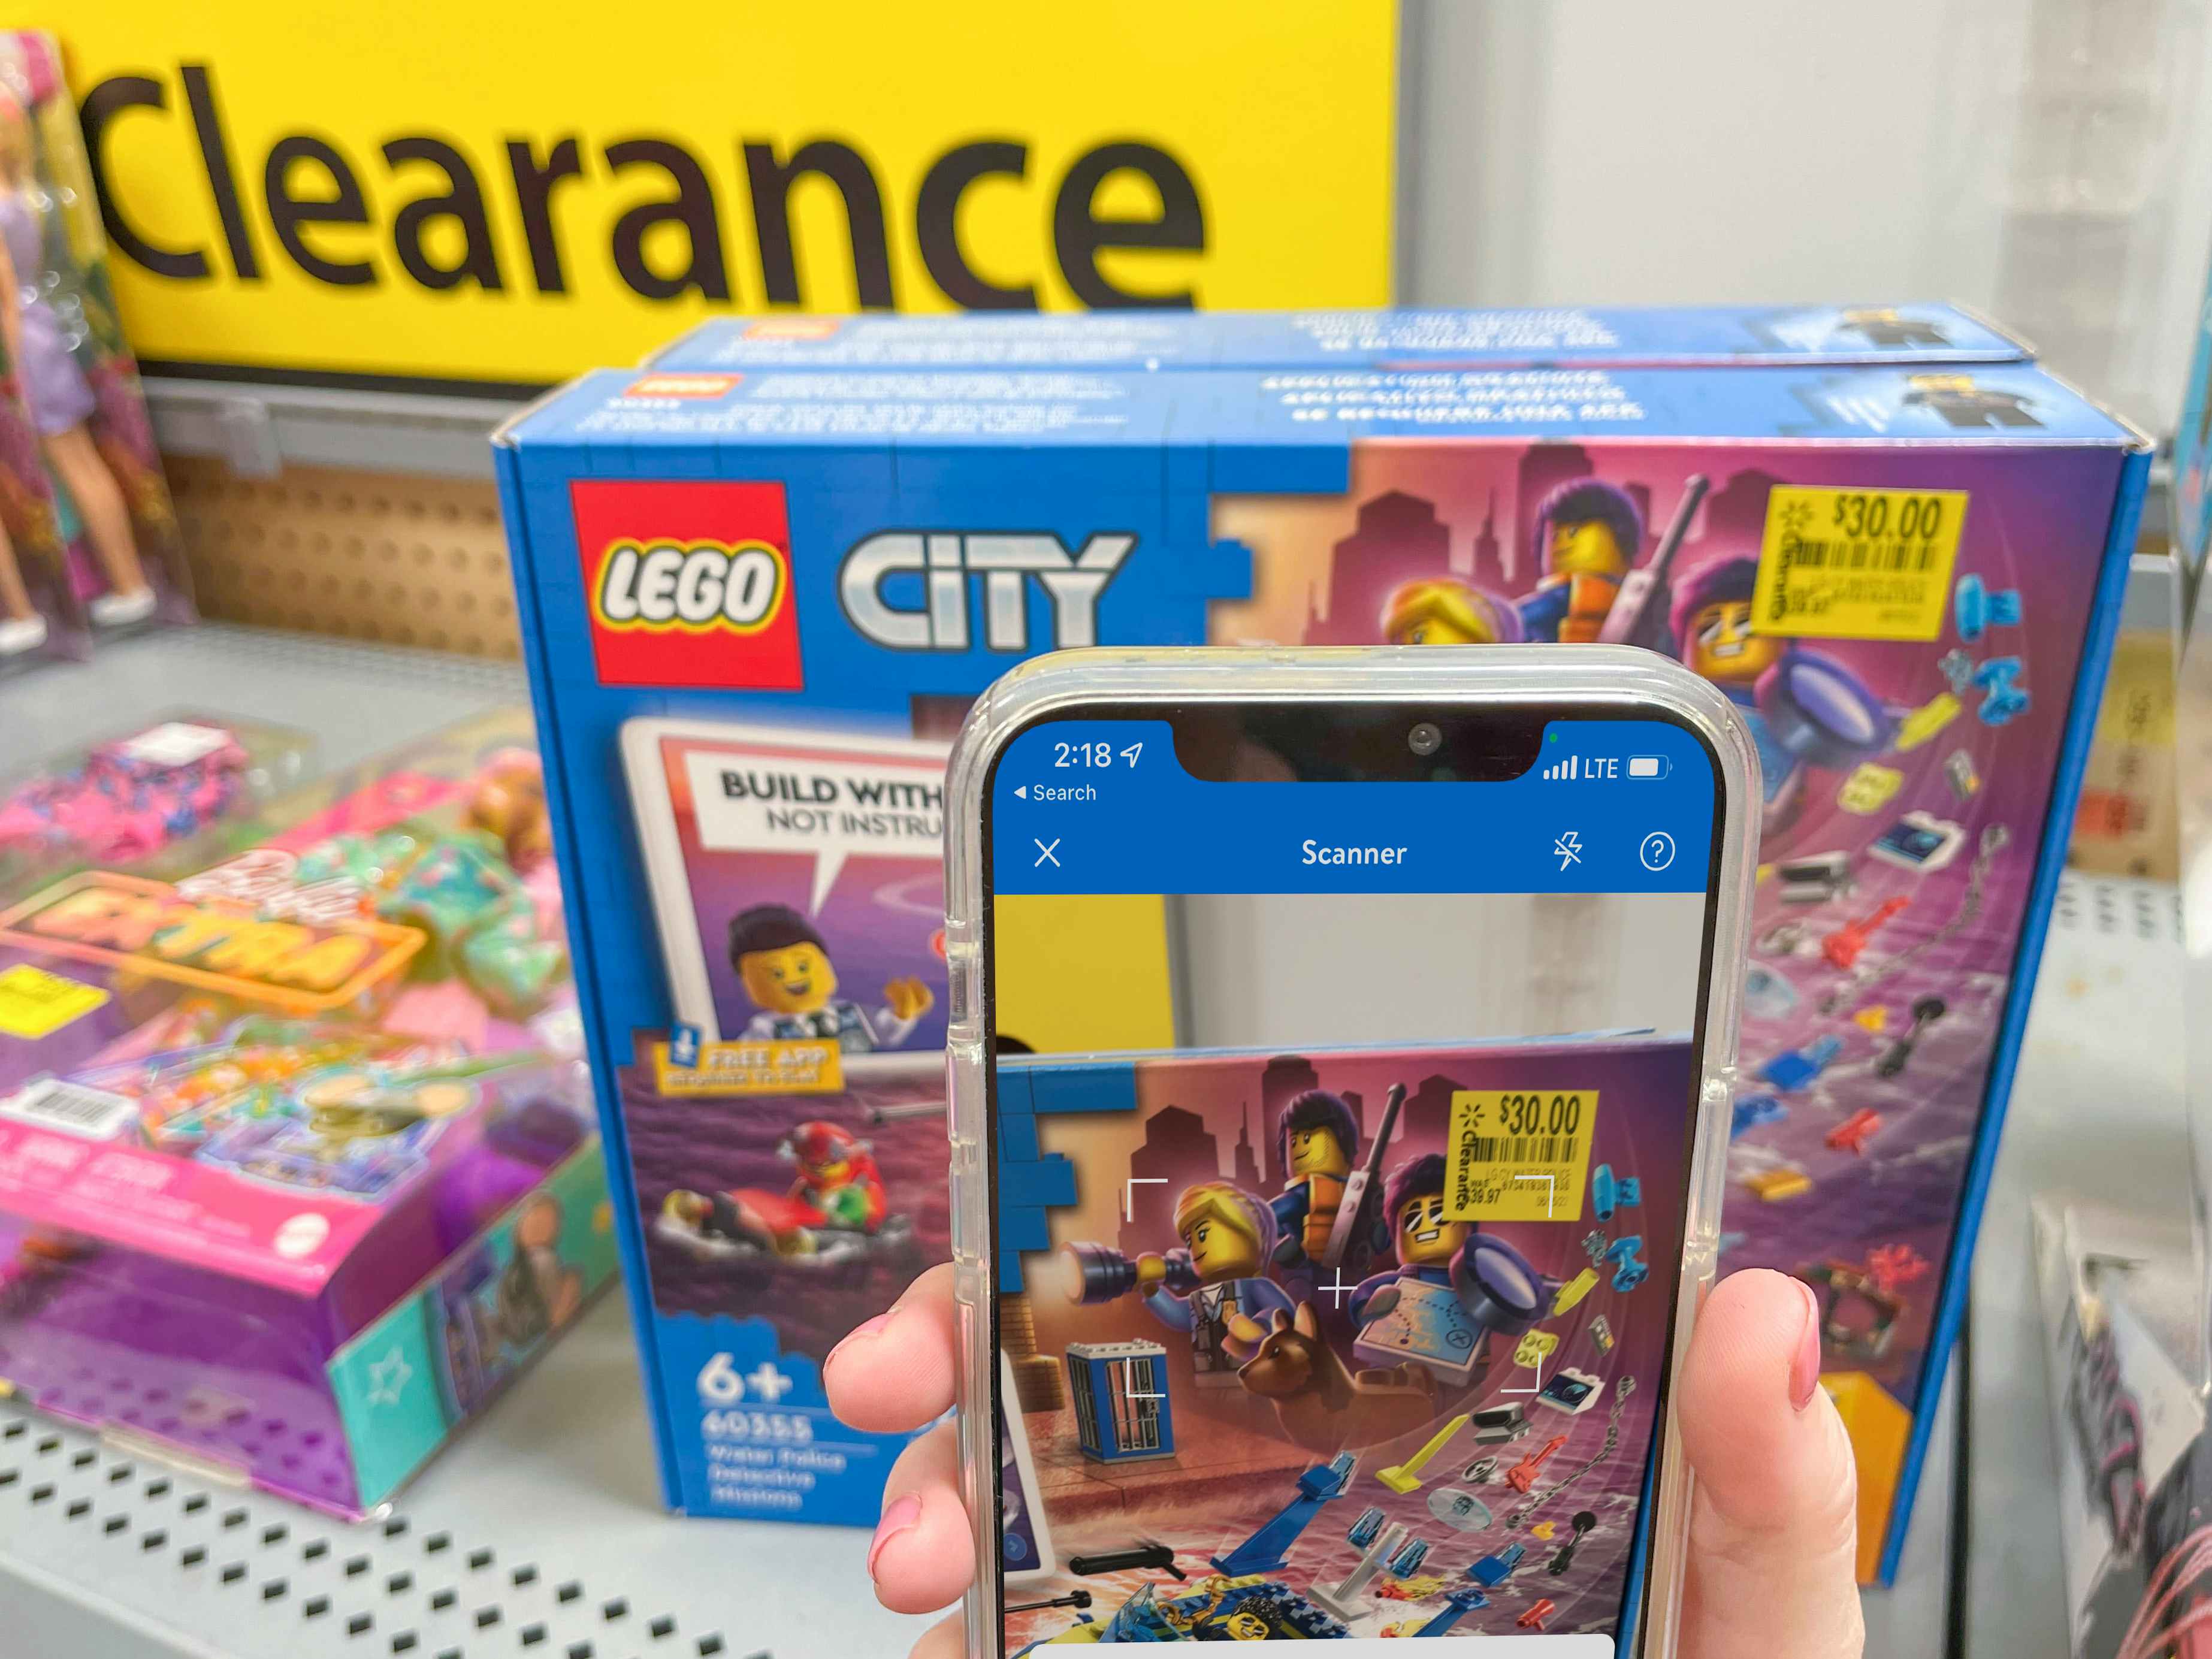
296	1163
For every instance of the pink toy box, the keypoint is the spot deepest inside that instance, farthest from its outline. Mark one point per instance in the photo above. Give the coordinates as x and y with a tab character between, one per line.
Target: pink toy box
124	801
296	1167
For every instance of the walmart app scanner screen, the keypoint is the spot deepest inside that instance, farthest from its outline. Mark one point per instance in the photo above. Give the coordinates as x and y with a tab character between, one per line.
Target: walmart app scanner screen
1343	1316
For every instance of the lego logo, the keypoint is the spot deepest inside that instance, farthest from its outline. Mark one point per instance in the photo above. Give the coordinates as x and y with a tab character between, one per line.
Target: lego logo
683	386
697	587
688	584
791	328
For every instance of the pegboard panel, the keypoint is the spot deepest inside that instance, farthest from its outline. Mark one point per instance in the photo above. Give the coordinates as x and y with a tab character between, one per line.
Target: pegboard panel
365	556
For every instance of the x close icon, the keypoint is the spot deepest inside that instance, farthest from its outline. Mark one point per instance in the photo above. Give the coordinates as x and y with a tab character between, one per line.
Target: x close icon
1047	853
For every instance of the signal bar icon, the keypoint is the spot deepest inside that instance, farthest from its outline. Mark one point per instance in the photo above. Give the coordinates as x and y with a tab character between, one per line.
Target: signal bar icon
1567	769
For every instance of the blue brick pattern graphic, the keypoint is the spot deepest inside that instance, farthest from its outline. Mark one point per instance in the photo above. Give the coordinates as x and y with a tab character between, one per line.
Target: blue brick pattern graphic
1032	1181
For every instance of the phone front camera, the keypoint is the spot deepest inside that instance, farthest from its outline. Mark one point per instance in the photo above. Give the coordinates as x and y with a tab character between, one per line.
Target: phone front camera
1425	739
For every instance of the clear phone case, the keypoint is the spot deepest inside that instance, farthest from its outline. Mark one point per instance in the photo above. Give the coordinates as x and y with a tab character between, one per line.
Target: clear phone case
1565	677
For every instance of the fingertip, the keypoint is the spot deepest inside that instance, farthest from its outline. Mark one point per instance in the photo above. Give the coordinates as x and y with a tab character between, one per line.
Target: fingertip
1758	1429
1773	1523
898	1370
923	1555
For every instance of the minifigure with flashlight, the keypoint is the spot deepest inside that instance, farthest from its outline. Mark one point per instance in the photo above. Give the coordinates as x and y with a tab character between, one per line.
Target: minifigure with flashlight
1213	1288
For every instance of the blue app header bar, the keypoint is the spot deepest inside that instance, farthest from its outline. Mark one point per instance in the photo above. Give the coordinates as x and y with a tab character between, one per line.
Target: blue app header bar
1105	806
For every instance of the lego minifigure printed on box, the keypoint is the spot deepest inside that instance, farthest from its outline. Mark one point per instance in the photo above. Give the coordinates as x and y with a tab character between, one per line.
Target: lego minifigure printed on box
1895	542
785	1135
296	1167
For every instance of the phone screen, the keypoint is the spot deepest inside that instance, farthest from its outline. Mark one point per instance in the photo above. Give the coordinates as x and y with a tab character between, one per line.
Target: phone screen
1340	1309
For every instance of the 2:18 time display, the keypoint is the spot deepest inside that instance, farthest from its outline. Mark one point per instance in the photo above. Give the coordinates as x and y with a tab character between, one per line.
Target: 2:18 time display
1097	757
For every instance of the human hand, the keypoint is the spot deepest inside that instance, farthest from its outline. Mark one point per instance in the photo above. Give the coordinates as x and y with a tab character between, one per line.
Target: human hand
1772	1526
1774	1520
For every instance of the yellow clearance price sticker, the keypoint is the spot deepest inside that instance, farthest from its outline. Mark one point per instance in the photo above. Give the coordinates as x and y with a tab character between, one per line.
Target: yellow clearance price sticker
35	1003
1860	564
798	1068
1519	1154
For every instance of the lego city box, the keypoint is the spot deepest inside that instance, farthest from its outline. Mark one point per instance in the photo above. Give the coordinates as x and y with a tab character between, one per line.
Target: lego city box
1905	575
1406	338
297	1166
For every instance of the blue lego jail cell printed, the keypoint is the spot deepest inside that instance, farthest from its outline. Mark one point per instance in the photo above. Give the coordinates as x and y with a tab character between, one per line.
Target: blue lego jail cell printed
1119	1391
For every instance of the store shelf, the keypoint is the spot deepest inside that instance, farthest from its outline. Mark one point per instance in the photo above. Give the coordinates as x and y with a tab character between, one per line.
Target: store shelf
1909	1620
2097	1118
539	1533
260	429
551	1490
358	699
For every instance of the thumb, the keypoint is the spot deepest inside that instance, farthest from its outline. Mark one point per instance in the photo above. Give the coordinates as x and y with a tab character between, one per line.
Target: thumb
1773	1521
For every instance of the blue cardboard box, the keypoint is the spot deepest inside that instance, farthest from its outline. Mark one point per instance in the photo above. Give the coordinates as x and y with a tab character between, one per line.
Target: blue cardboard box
1405	337
857	550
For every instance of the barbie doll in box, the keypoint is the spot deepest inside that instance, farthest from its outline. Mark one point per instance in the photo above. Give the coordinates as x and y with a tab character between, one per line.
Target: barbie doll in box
54	388
21	628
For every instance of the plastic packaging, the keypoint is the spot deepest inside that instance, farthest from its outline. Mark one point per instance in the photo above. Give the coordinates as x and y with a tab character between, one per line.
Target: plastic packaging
296	1157
124	801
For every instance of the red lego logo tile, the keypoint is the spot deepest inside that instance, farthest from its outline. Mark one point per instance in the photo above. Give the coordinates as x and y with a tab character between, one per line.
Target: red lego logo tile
689	584
791	328
674	383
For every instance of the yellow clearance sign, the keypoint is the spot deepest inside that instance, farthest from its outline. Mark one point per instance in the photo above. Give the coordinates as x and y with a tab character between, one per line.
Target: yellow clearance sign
511	194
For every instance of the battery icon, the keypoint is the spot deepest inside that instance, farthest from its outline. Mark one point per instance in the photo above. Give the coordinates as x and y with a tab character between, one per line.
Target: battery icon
1647	766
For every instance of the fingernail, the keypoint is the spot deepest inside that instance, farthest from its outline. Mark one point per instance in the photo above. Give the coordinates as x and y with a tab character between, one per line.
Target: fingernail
1805	1366
866	1327
899	1518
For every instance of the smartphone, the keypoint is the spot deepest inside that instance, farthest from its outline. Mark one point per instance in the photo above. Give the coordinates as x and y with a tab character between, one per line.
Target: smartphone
1353	1314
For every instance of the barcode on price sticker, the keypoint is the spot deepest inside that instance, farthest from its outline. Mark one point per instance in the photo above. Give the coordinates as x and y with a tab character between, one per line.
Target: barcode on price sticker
51	1103
1519	1149
1864	564
1519	1154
